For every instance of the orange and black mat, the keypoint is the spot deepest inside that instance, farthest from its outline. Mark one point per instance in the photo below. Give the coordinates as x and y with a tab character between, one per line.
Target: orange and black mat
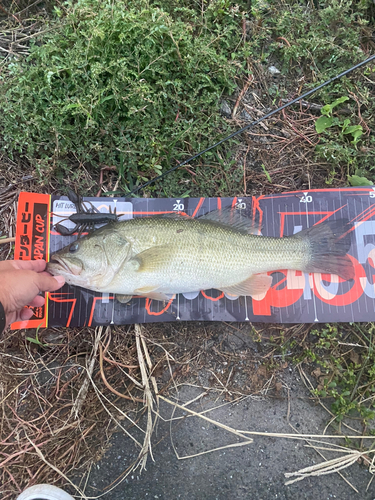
294	297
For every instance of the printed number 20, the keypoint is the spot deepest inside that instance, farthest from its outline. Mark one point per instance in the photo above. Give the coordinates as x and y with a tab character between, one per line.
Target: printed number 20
178	207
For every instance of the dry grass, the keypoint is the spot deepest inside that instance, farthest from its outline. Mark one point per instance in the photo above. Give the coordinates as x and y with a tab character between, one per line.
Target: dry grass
60	404
20	22
278	154
57	413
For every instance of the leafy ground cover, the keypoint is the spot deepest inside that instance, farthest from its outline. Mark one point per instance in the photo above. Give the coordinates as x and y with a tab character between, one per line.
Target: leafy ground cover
126	84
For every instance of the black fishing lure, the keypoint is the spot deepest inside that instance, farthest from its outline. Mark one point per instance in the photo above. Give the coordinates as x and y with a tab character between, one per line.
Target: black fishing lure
84	219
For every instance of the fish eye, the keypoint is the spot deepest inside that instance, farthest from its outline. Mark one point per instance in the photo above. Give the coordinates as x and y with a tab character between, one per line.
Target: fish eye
74	247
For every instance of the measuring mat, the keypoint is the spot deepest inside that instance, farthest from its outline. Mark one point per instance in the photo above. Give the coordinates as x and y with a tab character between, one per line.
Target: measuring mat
294	297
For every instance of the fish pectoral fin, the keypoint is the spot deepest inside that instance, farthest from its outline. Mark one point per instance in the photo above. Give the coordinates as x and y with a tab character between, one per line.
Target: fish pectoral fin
255	285
154	258
124	299
151	292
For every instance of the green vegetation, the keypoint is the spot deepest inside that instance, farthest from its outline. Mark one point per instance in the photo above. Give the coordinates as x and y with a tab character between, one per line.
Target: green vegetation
340	362
36	340
340	142
322	38
348	370
125	84
314	41
137	85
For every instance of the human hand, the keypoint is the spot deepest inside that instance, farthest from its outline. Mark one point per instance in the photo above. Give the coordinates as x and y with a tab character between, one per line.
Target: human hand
20	283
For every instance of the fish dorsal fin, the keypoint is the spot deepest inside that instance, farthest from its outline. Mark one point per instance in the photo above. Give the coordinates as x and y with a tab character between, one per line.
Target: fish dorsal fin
154	258
231	217
255	285
124	299
151	292
174	215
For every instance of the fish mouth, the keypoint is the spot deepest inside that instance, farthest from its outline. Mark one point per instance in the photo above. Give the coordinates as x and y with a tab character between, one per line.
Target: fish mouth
58	265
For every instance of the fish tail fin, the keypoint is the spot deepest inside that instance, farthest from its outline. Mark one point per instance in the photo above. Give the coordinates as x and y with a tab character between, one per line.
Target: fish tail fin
328	245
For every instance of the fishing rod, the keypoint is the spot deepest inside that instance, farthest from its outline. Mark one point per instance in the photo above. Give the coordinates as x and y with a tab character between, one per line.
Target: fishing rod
252	124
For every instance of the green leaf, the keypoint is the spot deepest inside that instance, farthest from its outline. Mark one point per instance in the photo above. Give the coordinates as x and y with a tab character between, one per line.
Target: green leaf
323	123
352	129
104	99
345	124
356	136
267	174
327	109
35	341
339	101
71	106
355	180
116	77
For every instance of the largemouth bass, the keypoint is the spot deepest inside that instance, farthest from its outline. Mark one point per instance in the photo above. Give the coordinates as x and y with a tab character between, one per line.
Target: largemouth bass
158	256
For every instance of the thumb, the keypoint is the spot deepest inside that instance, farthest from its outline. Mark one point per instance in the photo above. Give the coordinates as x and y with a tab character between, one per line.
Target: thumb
47	283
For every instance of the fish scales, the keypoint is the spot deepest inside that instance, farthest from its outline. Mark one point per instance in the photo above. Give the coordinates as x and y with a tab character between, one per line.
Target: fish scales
204	255
157	256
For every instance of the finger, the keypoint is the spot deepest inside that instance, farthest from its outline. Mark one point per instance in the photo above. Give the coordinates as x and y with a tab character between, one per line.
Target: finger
26	314
7	265
47	283
11	318
45	273
29	265
37	302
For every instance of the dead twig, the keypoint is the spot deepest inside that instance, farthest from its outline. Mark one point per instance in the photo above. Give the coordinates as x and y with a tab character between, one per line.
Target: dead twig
81	396
248	82
146	448
7	240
